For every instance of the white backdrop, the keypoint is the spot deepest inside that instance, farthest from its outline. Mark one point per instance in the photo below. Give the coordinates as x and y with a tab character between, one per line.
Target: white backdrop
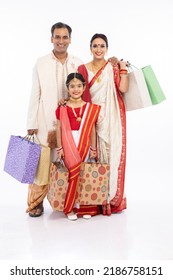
138	31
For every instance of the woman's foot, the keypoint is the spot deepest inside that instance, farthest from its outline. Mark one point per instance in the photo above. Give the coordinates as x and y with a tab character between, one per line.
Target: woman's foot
72	216
37	211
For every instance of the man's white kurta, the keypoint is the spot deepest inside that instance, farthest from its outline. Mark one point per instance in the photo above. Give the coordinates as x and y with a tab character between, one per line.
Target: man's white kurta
48	88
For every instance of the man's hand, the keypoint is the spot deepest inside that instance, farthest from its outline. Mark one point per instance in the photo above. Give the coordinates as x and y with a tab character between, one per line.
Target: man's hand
32	131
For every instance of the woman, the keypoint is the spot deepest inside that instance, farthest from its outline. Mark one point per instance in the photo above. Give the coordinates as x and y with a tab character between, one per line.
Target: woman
76	138
105	85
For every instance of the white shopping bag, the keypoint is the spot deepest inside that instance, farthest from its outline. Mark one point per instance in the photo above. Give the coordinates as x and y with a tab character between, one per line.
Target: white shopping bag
137	96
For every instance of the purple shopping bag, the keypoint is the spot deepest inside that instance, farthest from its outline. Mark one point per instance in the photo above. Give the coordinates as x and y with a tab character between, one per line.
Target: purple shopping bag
22	159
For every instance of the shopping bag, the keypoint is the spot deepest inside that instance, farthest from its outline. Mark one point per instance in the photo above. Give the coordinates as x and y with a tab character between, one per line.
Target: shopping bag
137	96
93	183
42	173
154	88
22	158
58	184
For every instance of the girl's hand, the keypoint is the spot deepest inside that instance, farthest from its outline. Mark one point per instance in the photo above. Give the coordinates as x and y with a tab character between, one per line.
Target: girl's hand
92	154
60	154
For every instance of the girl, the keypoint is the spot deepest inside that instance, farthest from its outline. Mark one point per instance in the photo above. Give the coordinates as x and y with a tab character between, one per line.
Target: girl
76	138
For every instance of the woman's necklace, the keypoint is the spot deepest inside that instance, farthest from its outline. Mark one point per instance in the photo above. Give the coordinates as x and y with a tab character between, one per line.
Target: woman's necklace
96	68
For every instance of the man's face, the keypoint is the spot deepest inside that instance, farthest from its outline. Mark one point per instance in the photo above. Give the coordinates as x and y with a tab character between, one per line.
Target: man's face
60	40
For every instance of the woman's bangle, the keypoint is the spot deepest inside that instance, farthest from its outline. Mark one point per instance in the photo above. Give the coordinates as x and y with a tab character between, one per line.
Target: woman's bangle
123	71
59	149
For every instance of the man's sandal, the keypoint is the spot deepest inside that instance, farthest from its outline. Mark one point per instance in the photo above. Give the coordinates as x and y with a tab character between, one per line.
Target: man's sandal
37	211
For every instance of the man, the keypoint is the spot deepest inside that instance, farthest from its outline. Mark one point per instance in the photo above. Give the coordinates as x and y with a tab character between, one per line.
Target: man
48	88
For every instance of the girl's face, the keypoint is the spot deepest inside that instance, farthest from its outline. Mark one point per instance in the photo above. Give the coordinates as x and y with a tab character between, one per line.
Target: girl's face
98	48
76	88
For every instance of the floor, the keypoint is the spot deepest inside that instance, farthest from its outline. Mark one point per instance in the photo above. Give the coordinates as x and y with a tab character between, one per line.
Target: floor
143	231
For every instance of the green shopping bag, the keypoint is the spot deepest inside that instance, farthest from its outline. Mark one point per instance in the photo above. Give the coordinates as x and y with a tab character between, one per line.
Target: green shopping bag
155	91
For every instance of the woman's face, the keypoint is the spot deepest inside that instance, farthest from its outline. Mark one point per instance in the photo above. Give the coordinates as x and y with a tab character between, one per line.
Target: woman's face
98	48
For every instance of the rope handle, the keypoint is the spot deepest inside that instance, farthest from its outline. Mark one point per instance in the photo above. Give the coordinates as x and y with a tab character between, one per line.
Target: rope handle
131	67
32	138
29	137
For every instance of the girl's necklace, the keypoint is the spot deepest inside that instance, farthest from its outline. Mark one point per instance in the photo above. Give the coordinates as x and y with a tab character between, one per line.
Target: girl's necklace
78	118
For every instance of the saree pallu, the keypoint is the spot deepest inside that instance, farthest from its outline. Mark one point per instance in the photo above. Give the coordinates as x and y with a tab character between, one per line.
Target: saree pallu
109	90
75	153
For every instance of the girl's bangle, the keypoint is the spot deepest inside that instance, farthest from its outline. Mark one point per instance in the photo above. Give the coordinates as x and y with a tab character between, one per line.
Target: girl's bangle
92	148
